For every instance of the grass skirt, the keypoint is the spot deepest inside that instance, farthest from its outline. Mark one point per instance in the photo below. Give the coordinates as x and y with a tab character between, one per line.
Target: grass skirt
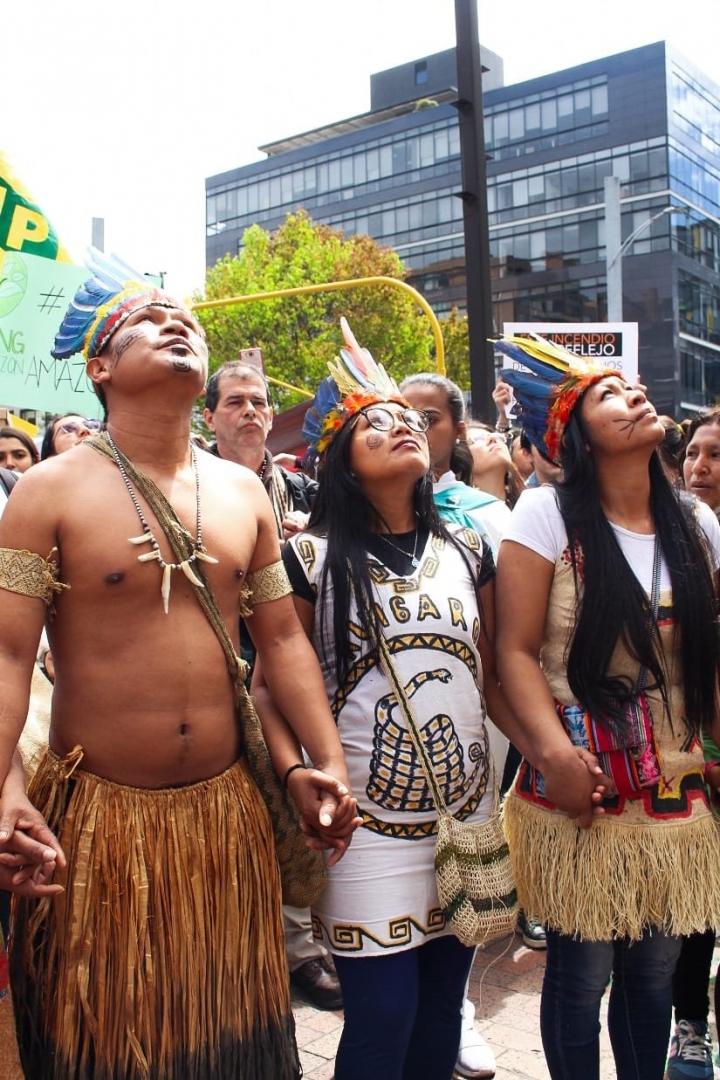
617	877
164	959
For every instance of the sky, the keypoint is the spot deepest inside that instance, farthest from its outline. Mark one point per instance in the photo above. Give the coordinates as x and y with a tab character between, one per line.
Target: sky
120	111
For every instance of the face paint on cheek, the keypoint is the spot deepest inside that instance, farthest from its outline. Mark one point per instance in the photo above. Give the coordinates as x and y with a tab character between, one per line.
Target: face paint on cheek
374	440
124	341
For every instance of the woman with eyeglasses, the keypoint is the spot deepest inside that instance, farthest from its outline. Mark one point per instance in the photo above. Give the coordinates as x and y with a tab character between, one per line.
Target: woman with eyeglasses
65	432
377	562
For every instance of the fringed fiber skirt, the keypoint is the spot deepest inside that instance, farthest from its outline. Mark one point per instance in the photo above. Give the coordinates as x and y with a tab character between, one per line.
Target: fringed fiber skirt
164	958
625	872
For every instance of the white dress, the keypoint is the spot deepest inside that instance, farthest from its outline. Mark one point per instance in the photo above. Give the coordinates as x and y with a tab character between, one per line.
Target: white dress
381	896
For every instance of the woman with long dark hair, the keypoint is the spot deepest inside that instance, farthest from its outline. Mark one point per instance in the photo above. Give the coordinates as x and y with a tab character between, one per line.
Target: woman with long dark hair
608	638
377	562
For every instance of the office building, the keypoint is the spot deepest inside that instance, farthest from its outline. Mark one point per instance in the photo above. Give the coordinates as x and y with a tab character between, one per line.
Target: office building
646	116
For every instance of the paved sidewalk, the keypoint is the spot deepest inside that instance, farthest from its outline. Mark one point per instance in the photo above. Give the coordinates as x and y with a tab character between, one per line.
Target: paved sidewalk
505	987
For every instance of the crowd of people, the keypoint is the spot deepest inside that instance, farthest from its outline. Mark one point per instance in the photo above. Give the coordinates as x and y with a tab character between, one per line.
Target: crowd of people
544	590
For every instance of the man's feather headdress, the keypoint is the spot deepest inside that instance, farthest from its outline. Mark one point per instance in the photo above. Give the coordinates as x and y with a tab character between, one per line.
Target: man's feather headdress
103	303
548	392
355	382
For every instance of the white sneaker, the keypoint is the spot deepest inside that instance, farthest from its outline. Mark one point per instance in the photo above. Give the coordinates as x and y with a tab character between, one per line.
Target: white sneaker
475	1058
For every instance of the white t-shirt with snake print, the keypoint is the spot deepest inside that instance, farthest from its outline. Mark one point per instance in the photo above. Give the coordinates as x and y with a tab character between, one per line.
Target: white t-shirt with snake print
381	896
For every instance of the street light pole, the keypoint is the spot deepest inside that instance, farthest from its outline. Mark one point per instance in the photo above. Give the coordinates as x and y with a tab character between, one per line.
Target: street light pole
613	242
613	238
475	214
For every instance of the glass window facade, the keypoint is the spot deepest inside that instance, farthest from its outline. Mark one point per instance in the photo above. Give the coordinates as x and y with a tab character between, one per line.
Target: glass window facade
699	307
351	173
699	375
551	118
550	145
696	110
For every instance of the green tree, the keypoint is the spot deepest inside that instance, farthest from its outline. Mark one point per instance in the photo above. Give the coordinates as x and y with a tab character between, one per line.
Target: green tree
457	348
298	335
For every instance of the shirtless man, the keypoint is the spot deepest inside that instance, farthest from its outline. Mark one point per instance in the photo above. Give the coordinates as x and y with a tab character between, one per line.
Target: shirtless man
164	955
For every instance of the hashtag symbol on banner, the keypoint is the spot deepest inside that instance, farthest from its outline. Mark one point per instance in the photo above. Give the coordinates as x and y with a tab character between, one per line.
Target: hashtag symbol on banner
50	301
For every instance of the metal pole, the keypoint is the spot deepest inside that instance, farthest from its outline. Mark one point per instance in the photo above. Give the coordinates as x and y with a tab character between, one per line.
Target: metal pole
613	249
475	215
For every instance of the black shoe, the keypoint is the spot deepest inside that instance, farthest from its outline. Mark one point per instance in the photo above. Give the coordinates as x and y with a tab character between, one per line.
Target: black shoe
532	932
318	982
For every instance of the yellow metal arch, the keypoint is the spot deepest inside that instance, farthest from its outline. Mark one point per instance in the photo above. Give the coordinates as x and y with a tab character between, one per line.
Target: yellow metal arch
331	286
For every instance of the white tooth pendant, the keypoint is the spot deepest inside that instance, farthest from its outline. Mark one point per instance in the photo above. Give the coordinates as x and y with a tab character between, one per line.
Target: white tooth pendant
204	557
187	571
165	587
149	556
171	526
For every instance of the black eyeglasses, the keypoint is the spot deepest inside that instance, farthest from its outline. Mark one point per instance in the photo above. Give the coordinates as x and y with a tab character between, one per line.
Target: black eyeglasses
385	420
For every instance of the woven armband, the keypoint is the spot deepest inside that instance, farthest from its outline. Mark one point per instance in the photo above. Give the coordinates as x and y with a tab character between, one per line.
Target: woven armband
27	573
269	583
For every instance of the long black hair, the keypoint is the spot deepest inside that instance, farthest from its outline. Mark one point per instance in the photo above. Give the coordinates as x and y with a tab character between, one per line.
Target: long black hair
344	513
615	608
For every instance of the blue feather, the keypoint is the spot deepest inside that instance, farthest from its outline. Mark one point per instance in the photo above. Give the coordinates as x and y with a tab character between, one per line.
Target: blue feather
327	397
110	275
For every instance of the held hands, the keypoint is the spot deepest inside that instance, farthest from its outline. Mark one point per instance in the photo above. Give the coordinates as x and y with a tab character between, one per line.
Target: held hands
29	852
605	787
328	812
576	784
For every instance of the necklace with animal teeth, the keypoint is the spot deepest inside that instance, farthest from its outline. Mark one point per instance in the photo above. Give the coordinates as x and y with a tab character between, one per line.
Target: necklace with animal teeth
198	554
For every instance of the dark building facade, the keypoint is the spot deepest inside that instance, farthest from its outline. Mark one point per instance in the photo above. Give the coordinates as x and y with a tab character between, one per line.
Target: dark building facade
646	116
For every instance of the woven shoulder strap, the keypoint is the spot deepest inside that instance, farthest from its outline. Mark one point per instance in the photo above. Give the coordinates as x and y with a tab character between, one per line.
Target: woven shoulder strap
181	543
403	700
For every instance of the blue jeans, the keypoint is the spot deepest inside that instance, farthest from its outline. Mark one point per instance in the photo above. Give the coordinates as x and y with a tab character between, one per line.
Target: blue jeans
403	1012
639	1011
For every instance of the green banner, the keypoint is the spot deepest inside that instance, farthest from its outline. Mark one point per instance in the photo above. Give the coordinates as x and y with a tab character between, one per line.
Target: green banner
23	225
34	296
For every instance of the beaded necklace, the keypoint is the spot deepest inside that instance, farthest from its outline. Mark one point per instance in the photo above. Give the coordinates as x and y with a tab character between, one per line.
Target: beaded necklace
148	537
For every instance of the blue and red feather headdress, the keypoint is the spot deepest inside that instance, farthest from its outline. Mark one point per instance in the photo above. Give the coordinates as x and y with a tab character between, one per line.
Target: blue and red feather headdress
102	304
548	392
355	382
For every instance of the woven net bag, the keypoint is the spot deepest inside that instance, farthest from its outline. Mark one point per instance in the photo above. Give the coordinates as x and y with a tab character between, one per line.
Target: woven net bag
475	881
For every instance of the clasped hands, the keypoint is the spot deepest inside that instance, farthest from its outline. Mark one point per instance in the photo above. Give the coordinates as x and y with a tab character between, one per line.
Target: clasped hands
576	784
328	812
29	852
